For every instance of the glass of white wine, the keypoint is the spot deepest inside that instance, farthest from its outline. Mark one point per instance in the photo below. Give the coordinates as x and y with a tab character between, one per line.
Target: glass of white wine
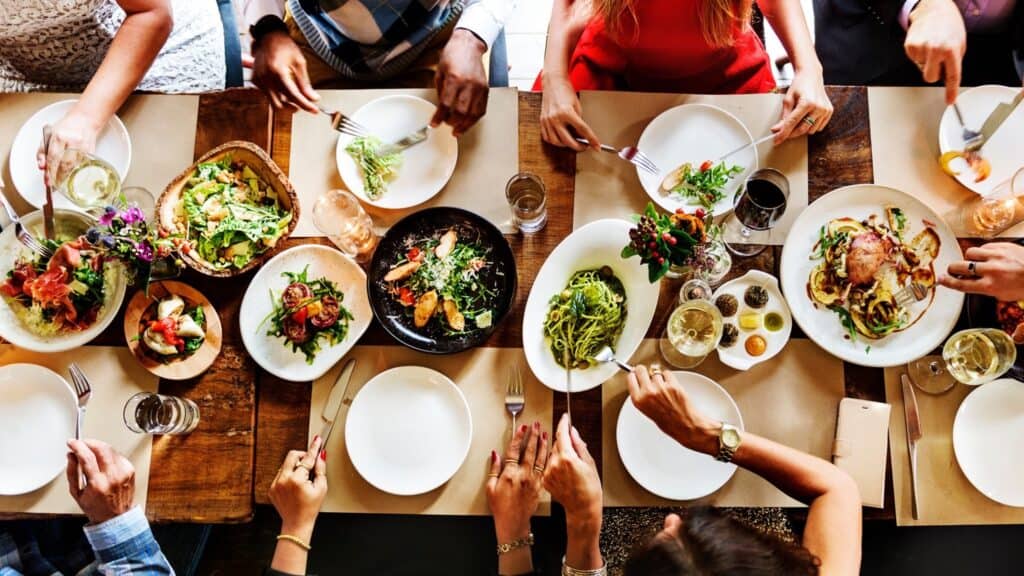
972	357
87	180
693	328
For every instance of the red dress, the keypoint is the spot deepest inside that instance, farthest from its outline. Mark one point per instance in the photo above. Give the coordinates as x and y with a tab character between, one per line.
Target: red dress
668	55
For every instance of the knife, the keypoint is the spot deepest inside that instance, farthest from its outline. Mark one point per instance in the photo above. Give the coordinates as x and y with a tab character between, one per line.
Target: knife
411	139
568	384
48	230
335	400
999	115
913	419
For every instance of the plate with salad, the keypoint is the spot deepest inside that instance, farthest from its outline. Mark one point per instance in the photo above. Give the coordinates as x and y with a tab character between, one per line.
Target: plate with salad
685	142
401	179
441	280
232	208
303	311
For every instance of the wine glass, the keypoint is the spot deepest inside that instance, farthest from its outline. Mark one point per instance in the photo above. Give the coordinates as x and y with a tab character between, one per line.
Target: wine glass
87	180
975	356
340	216
990	215
759	205
693	328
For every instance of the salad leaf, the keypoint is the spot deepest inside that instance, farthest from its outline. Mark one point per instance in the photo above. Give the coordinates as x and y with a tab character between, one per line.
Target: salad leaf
376	168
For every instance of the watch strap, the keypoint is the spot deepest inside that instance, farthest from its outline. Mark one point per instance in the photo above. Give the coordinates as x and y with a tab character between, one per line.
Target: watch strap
725	453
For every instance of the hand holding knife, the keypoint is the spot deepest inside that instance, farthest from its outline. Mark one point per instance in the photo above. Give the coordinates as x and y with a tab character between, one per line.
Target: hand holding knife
337	399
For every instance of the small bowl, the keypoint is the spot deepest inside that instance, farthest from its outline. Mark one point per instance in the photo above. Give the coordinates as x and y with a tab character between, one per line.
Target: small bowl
168	205
181	368
736	356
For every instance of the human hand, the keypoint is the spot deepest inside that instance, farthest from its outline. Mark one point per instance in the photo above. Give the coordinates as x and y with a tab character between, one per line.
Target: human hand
573	482
110	480
660	397
936	42
806	108
514	483
998	272
295	496
461	83
279	69
76	130
560	114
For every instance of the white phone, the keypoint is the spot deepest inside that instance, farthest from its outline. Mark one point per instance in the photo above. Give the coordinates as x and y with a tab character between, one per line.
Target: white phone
861	446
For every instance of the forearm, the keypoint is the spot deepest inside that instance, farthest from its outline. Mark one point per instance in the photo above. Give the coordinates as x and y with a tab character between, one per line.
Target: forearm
787	19
583	544
564	31
519	560
125	544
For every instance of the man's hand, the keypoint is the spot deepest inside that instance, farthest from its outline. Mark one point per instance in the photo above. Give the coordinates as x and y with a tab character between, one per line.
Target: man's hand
936	43
461	83
279	69
109	476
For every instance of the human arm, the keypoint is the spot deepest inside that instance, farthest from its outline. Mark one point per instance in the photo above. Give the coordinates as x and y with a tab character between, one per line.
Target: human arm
560	106
297	493
573	482
278	66
936	41
142	34
118	531
833	529
999	267
806	97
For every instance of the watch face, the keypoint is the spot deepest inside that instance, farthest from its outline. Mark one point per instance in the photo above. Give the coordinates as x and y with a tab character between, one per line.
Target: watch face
731	438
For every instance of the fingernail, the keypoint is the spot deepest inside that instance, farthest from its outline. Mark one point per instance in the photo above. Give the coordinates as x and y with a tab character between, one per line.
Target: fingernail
544	435
323	455
522	428
494	455
315	438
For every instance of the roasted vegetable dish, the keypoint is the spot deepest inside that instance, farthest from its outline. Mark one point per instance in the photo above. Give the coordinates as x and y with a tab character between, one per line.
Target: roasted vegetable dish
308	314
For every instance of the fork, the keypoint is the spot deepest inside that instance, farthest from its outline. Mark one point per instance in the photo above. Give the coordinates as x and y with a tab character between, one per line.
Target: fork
344	124
23	235
515	400
914	292
630	154
973	139
83	390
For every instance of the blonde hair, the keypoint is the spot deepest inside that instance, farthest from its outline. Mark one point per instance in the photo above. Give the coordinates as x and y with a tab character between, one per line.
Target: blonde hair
718	18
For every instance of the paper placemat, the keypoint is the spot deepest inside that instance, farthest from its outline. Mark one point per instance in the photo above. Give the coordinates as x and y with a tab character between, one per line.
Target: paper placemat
905	148
162	129
488	157
792	399
115	376
945	496
482	375
608	187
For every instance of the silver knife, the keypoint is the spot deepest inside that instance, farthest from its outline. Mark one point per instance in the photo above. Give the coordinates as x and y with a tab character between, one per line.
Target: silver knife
913	419
335	400
757	142
999	115
48	230
568	384
411	139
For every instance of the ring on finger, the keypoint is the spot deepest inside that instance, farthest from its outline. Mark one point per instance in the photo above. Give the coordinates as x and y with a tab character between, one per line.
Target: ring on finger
655	370
511	462
492	475
972	269
809	121
538	469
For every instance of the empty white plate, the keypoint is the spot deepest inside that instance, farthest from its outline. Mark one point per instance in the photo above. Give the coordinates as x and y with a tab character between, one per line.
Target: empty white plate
665	467
1003	149
694	133
113	145
988	440
426	167
37	416
409	430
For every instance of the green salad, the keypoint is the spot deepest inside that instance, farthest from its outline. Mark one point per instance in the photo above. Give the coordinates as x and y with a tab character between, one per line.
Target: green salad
231	215
376	168
703	185
308	314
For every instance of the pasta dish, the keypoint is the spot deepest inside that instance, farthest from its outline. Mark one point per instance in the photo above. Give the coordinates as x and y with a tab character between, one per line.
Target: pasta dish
585	317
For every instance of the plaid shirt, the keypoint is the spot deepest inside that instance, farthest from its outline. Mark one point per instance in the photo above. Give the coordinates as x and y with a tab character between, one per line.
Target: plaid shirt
121	546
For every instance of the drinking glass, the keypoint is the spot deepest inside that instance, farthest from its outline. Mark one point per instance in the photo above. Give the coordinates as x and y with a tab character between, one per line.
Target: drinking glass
990	215
972	357
149	413
339	216
141	198
759	205
527	198
87	180
693	328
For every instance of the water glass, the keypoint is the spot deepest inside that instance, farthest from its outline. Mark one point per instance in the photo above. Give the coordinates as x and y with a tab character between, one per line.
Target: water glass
759	205
141	198
527	198
990	215
339	216
149	413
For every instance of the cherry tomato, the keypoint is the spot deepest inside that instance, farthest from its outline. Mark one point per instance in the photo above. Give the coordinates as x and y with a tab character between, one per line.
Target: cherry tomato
700	213
412	254
706	166
299	316
405	296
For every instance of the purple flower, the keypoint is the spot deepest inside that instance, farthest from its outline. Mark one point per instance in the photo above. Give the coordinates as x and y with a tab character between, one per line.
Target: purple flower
144	251
133	215
108	216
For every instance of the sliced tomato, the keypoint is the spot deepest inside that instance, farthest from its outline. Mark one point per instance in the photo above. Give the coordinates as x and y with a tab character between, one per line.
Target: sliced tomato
706	166
413	254
406	297
299	316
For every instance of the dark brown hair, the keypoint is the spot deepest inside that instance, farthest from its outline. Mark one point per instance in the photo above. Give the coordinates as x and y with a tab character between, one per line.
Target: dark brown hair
713	544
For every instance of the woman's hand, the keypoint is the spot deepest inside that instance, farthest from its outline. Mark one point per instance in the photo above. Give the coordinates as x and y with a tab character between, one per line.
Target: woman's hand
279	69
662	399
806	108
560	114
573	482
514	483
998	272
299	490
77	130
110	480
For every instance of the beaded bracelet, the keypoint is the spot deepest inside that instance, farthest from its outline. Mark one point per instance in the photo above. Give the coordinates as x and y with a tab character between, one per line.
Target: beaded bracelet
515	544
295	540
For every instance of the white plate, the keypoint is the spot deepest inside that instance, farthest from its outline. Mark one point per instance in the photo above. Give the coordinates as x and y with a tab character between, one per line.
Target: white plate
736	356
988	440
37	416
1003	150
275	355
822	325
426	167
595	245
12	328
409	430
694	133
113	145
665	467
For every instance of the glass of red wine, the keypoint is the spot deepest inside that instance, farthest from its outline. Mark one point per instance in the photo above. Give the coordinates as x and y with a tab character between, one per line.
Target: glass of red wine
759	205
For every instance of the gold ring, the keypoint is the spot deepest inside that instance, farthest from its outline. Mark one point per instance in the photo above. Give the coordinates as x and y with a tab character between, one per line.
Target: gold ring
809	121
492	475
511	462
538	469
655	369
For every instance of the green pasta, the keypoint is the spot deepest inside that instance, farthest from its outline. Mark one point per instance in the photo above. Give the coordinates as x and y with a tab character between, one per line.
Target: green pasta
585	317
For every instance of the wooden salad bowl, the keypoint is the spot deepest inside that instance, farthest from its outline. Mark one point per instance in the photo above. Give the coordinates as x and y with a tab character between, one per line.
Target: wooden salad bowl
169	211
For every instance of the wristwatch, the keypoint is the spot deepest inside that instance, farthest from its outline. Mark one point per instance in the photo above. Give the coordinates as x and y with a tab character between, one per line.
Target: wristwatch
728	442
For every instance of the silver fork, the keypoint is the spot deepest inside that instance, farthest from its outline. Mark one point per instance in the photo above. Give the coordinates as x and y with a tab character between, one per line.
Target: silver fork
630	154
22	233
83	390
344	124
515	399
914	292
973	139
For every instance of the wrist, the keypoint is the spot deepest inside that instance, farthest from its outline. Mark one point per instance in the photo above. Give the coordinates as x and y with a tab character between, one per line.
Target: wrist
82	115
510	532
583	527
303	530
701	436
470	40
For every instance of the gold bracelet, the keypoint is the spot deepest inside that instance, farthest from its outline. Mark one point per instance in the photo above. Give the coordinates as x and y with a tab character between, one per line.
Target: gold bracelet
515	544
295	540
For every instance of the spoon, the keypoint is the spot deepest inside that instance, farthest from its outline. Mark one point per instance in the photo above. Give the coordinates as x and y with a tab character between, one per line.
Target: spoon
606	355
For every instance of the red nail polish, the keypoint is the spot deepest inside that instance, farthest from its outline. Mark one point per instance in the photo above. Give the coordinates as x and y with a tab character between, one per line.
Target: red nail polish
544	435
323	455
494	455
522	428
315	438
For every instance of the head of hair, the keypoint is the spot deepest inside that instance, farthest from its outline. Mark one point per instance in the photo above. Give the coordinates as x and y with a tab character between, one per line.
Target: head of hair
719	19
713	544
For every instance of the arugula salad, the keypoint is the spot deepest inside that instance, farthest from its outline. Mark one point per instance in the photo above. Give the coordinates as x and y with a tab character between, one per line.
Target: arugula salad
231	215
703	185
376	168
308	313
